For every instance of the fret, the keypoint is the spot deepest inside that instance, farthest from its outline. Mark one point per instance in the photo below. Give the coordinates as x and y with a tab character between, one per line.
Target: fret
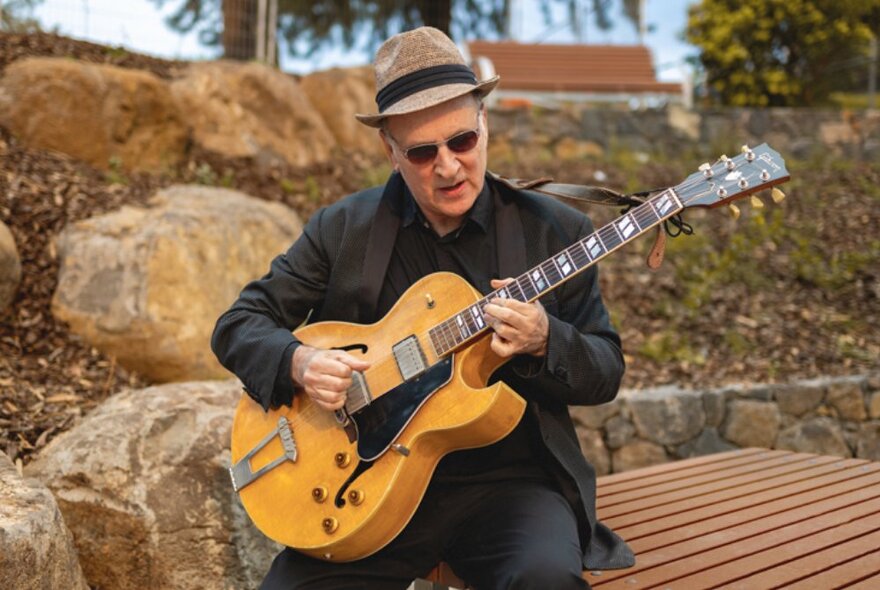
463	328
530	291
564	263
471	323
616	231
627	226
477	314
552	272
538	279
610	238
522	294
594	246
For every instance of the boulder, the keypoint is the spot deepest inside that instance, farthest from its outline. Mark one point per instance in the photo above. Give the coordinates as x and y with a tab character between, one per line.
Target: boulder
337	94
618	432
847	396
594	450
104	115
36	548
10	267
868	445
715	406
751	423
822	436
636	454
143	485
251	110
594	416
667	415
708	443
799	398
146	285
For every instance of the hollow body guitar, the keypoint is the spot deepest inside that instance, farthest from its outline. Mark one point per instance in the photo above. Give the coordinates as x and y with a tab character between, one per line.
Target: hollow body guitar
340	486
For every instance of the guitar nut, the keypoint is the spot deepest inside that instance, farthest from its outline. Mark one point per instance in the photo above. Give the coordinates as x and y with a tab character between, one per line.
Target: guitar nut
342	460
356	497
319	494
330	525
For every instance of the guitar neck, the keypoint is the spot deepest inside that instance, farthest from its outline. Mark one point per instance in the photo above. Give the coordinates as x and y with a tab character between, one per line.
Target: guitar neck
470	323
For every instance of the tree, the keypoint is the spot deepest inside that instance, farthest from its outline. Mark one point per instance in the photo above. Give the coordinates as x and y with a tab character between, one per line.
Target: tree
311	26
781	52
16	16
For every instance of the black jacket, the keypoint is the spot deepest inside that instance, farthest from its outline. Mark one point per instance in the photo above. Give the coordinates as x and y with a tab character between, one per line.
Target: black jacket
334	271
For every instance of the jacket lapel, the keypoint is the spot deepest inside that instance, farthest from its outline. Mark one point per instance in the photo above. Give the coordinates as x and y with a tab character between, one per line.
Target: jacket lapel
510	241
380	244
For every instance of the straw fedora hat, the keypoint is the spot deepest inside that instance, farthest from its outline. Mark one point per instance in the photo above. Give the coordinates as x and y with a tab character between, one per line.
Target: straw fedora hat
419	69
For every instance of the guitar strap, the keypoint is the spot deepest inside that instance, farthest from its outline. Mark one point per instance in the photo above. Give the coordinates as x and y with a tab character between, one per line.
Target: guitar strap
598	196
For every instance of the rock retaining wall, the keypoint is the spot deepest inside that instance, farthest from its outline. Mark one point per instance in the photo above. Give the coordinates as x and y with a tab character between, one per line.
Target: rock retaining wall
834	416
579	130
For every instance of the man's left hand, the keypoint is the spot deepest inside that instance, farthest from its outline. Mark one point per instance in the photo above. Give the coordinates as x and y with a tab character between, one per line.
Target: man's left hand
520	328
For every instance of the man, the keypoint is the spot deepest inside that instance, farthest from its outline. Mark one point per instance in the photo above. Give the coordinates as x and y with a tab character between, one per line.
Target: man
519	513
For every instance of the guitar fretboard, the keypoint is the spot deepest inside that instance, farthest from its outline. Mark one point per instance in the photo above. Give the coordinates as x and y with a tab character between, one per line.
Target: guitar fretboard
470	323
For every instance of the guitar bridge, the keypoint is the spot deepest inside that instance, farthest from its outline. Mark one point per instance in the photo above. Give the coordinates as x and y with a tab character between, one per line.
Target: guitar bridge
411	361
242	474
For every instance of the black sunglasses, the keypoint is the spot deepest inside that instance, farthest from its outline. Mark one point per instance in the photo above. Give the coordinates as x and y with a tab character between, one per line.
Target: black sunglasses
427	152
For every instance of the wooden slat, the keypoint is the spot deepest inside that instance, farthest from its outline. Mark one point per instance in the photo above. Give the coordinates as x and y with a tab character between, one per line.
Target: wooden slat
749	503
606	482
623	490
714	567
839	566
783	564
869	583
709	483
740	539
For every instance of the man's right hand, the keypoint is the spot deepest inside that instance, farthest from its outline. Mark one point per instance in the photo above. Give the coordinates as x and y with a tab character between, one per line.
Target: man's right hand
325	375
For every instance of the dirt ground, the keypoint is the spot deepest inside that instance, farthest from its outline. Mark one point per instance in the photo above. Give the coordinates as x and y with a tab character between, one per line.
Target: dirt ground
788	292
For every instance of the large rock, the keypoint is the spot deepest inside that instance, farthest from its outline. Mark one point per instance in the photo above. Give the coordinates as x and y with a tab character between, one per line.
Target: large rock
10	267
822	436
847	396
252	110
98	113
868	446
667	415
799	398
594	450
594	416
337	94
36	548
143	485
636	454
751	423
147	285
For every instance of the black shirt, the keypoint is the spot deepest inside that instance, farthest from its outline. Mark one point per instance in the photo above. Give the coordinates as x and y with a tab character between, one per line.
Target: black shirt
471	252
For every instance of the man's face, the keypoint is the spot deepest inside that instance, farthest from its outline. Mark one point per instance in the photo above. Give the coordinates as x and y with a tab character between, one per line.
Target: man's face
446	186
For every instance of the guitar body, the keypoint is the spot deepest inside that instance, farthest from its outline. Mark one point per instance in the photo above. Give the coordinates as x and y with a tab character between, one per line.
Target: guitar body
325	503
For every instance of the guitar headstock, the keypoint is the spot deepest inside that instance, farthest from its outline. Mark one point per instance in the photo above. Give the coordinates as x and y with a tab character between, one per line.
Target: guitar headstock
729	179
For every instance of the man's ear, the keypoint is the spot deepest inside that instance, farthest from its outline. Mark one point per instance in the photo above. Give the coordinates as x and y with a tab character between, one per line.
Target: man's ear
389	151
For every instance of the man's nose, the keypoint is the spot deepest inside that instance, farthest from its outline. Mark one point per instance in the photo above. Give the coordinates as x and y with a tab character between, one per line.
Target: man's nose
446	163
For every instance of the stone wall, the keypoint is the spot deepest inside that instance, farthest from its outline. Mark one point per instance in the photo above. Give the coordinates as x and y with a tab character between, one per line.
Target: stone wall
800	133
834	416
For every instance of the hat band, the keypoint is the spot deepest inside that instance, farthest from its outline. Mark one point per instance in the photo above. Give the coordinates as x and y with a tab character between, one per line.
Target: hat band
422	80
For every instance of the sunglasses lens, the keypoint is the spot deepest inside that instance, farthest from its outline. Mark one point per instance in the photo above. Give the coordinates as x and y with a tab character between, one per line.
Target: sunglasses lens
421	154
464	142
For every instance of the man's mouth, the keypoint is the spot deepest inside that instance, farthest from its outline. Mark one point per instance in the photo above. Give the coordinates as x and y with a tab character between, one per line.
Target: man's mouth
453	188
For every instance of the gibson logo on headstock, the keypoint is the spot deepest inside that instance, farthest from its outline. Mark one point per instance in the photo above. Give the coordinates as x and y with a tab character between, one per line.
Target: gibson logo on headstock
767	158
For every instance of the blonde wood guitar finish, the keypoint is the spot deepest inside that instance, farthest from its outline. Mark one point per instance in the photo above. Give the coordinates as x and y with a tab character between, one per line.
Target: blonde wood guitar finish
315	498
294	502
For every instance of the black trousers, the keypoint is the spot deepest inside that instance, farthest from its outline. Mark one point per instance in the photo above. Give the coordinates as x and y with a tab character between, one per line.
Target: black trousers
517	534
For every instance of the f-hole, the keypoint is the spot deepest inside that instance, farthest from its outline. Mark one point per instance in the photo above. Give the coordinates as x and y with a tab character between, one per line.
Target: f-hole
362	466
361	347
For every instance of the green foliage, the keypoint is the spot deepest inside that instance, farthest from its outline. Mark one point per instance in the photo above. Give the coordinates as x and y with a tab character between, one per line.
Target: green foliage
376	175
116	173
312	26
16	16
781	52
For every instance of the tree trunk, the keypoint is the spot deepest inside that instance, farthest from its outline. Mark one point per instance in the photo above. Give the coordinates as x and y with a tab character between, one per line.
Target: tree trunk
436	14
240	29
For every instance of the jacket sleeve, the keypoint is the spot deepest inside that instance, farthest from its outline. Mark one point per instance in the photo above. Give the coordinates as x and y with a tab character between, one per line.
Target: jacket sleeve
584	362
253	338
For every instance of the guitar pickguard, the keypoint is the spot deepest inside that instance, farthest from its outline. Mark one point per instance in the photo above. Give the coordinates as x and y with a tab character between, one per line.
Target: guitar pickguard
380	423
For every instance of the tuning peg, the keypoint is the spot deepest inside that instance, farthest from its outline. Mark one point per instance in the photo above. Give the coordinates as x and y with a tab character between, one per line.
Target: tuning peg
756	202
706	169
750	155
777	195
723	158
734	211
745	149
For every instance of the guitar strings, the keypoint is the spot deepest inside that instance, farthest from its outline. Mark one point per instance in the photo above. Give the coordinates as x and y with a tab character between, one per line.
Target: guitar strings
639	214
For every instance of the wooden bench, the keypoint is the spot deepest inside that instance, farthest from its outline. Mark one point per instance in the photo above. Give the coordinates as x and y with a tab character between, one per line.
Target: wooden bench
751	519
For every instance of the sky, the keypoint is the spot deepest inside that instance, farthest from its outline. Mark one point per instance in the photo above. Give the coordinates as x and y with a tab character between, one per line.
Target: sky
138	25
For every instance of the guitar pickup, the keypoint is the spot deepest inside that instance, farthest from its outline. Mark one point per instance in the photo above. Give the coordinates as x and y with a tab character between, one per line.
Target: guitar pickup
411	361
